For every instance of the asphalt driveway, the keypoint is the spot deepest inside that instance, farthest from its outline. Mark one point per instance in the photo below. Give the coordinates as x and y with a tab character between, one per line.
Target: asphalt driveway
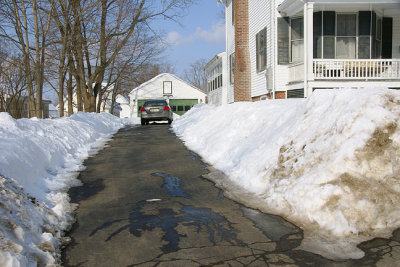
144	203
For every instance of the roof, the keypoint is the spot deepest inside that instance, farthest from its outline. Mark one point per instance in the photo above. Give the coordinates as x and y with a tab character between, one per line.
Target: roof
160	76
291	7
217	56
121	99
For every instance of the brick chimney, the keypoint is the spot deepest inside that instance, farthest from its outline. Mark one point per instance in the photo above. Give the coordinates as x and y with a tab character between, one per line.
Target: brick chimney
242	84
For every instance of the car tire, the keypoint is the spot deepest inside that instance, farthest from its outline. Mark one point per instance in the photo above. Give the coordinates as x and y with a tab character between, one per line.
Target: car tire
169	121
142	122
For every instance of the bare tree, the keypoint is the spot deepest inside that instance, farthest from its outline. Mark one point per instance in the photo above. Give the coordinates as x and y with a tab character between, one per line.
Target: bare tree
117	21
23	23
196	74
13	87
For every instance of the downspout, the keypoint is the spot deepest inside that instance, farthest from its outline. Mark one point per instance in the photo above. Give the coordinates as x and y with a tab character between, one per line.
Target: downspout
274	33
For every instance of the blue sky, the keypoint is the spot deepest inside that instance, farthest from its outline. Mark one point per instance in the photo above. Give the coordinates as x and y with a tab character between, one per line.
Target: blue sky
199	34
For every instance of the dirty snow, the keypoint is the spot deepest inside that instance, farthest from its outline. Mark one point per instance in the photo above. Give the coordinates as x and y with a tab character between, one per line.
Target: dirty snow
330	163
39	161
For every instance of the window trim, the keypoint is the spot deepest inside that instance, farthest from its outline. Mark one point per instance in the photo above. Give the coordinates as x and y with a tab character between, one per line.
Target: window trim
291	40
261	50
232	68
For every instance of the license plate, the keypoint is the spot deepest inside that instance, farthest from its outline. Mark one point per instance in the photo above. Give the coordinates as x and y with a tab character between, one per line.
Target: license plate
154	109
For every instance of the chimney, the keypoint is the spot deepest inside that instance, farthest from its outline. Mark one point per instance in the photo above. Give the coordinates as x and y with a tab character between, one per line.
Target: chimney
242	84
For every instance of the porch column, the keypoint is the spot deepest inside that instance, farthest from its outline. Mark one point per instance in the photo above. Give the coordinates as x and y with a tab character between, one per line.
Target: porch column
308	47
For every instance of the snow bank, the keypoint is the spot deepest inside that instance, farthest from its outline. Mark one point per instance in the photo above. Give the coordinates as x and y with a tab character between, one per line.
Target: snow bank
41	160
330	163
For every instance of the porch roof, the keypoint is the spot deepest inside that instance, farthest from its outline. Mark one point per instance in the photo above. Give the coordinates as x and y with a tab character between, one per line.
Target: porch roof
388	7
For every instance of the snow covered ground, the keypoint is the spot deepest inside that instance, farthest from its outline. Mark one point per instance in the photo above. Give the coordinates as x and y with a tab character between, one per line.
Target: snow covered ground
329	163
39	161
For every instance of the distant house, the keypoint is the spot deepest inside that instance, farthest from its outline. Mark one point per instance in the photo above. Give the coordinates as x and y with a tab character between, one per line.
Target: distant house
124	105
180	94
18	107
216	74
105	105
289	48
53	111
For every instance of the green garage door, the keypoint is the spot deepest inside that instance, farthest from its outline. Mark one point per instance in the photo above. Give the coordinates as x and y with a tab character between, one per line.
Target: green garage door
140	104
180	106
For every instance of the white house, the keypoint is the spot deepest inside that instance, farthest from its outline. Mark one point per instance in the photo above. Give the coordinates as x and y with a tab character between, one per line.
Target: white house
124	105
297	46
53	111
217	87
105	105
180	95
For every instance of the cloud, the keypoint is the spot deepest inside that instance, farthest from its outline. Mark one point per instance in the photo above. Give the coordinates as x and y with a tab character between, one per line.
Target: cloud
215	35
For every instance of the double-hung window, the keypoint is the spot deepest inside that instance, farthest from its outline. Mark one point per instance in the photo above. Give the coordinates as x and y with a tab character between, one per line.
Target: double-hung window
261	50
297	39
346	36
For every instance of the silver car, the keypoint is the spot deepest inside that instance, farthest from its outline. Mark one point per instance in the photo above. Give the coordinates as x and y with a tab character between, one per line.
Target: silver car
155	110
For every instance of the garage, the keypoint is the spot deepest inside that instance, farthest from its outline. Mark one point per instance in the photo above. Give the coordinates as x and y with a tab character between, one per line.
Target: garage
180	95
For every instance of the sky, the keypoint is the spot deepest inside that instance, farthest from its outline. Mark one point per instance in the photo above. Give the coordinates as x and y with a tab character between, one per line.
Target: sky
200	34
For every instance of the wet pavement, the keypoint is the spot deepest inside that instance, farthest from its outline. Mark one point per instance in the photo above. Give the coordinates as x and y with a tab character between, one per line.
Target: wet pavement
144	203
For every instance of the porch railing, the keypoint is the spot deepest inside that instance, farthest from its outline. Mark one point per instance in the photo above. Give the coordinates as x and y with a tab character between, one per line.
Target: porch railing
356	69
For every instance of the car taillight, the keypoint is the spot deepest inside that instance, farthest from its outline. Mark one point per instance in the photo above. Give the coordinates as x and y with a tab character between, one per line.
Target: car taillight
166	108
142	109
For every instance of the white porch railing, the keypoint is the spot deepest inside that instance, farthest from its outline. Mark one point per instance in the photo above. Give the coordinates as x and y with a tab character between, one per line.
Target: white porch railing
356	69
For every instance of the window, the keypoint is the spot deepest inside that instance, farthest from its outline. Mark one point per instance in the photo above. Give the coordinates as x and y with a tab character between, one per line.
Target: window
261	49
167	87
290	40
297	42
180	108
283	40
232	67
349	35
346	36
173	108
187	108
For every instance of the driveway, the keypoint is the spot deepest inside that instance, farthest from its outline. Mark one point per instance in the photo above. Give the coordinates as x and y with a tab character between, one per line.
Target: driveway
144	203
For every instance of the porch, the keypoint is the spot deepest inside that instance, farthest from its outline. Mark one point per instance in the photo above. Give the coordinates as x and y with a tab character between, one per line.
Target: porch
334	41
348	69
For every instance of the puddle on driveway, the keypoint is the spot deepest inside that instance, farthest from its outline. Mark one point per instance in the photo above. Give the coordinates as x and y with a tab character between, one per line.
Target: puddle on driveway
195	156
85	191
172	184
205	220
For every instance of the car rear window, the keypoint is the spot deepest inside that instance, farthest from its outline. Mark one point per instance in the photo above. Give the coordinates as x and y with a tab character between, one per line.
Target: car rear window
155	103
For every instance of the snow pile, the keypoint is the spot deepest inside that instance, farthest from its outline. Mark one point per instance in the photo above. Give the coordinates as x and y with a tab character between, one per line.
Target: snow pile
40	160
330	163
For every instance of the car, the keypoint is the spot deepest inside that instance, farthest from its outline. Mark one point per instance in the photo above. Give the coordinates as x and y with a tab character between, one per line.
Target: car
155	110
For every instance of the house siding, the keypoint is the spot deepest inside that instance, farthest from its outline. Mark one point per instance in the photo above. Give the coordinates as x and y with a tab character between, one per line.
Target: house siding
259	13
263	14
230	46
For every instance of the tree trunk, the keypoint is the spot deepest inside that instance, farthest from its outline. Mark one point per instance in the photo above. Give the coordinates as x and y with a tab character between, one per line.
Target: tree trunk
61	103
38	80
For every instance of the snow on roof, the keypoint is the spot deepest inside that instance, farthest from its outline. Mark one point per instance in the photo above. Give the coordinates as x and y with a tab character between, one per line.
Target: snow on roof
122	99
161	75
